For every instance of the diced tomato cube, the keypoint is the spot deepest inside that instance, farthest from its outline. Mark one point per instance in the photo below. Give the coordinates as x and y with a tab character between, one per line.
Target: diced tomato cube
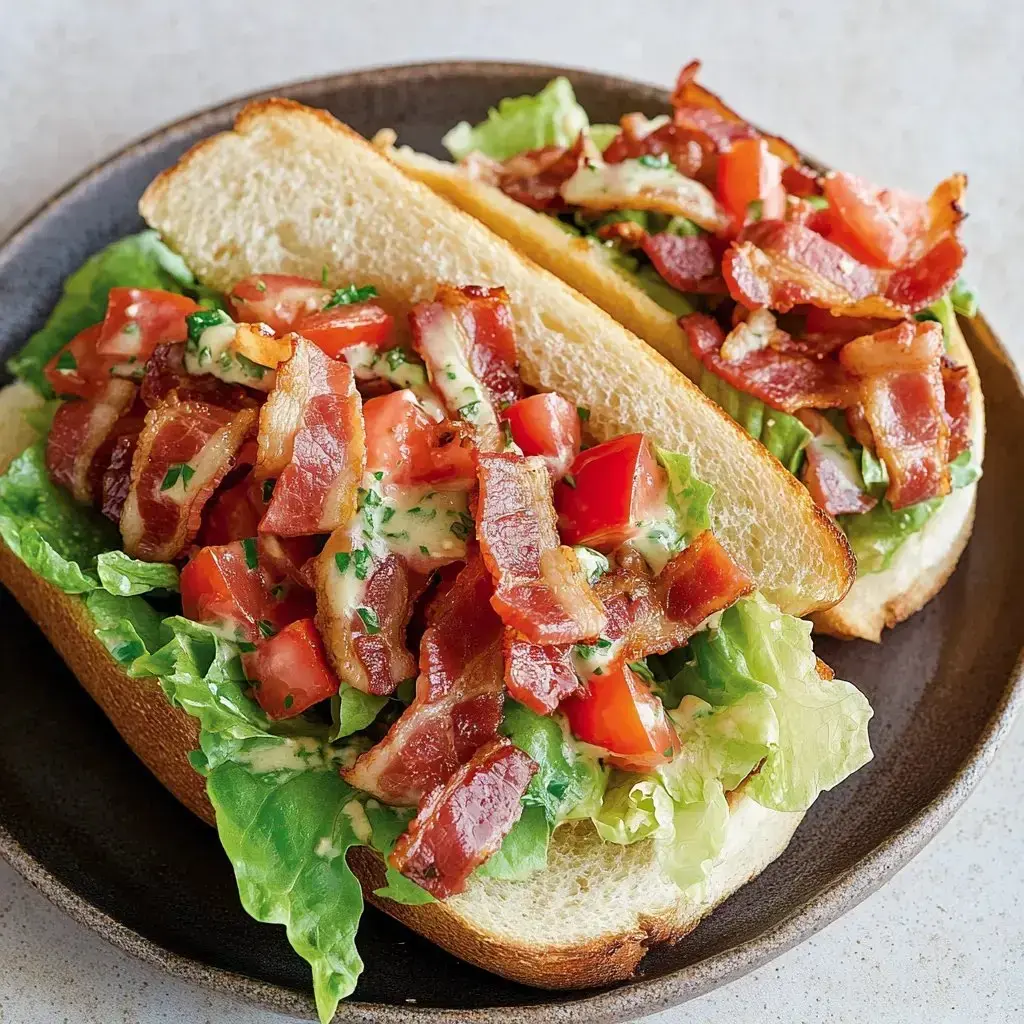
336	329
610	489
619	712
411	448
77	369
547	425
139	319
277	300
289	672
750	182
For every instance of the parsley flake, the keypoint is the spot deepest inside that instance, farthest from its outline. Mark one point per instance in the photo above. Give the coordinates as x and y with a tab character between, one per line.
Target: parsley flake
370	621
66	361
268	489
177	471
251	556
267	629
348	295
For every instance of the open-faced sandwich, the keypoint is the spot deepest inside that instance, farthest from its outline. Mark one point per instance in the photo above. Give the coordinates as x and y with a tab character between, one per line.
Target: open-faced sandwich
817	309
415	572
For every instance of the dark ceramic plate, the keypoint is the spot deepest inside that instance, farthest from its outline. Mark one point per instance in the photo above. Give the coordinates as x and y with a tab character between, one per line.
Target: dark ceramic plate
96	833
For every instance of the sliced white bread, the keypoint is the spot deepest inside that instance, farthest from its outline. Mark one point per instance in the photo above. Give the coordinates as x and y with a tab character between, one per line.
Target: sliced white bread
291	190
876	601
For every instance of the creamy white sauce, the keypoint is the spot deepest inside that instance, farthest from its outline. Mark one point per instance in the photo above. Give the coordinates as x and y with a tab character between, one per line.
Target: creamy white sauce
214	353
658	540
593	563
356	814
285	755
369	363
427	523
326	849
462	392
594	659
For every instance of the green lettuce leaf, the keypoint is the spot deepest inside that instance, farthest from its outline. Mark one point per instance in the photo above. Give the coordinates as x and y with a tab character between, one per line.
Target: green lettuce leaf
964	298
783	435
352	710
388	823
129	627
602	134
689	496
878	534
138	261
655	286
633	810
550	118
127	576
46	529
524	851
698	835
568	783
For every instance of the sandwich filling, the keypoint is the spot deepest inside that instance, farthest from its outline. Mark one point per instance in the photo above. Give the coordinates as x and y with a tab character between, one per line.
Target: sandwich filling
411	605
819	306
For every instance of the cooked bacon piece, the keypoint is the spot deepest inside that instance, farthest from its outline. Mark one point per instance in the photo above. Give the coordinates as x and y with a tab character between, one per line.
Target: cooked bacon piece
311	439
461	824
901	390
539	675
784	264
290	558
956	384
459	696
637	618
641	137
467	340
166	374
535	178
80	430
364	605
830	471
117	477
687	263
541	590
786	381
701	580
184	451
628	233
858	426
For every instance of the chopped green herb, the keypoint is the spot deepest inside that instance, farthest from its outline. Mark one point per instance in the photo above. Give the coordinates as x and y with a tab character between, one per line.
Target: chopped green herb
470	409
424	550
378	474
369	617
277	592
657	162
268	489
463	527
506	433
246	647
205	355
177	470
66	361
342	559
569	480
755	209
583	412
370	499
818	202
450	374
349	294
323	275
399	535
641	669
249	368
224	360
395	357
199	322
362	557
426	514
251	557
668	751
389	513
261	286
288	701
598	671
266	628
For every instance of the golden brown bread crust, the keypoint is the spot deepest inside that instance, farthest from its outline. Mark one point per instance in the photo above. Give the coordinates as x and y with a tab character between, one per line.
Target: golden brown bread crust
161	736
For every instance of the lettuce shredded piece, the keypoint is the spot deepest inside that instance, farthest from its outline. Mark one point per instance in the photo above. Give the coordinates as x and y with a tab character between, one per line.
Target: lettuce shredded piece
138	261
552	117
783	435
689	497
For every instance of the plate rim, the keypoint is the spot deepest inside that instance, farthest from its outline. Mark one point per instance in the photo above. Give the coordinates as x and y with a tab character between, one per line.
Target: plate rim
627	999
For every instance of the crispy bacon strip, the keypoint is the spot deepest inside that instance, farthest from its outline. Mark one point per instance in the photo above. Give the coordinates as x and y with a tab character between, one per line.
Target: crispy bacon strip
363	608
541	590
459	696
184	451
539	675
466	338
830	472
956	384
166	374
311	438
687	263
637	616
535	178
462	823
783	264
701	580
783	380
901	390
640	137
80	431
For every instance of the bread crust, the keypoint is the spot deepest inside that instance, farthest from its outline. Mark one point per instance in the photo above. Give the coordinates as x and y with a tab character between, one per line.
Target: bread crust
228	206
874	604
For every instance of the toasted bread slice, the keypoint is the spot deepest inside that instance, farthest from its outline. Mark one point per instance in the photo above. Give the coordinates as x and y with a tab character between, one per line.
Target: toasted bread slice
291	190
876	601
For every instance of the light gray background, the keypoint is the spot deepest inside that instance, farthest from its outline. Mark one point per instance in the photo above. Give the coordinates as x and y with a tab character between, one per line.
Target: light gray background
901	92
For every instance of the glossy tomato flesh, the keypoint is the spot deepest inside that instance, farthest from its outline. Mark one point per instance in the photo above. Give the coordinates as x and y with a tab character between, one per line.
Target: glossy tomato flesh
748	173
78	369
277	300
289	672
334	330
411	448
139	319
610	489
619	713
547	425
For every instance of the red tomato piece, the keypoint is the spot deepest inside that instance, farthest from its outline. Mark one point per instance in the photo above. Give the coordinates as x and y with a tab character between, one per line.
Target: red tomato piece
547	425
223	586
411	448
139	319
619	712
749	173
289	672
336	329
610	489
877	220
277	300
77	369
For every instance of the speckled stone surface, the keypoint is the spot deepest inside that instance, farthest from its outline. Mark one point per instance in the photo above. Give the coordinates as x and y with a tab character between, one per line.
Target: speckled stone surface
901	93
